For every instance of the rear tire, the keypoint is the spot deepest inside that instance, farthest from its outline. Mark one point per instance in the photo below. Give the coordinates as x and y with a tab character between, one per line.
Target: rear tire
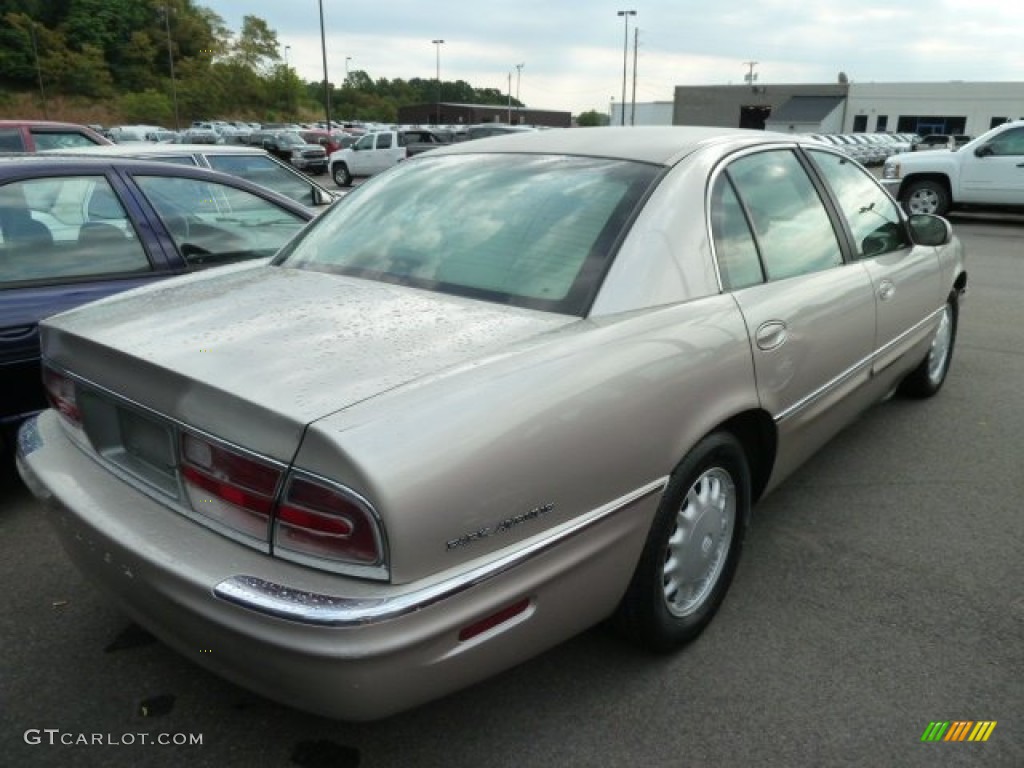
927	379
693	547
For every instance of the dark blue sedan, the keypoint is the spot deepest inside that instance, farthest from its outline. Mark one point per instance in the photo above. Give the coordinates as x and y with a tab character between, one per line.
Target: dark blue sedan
73	230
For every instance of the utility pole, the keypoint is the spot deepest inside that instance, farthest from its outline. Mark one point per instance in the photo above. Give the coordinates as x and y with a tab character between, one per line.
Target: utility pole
510	98
327	84
519	73
750	77
39	69
437	44
625	55
632	111
170	62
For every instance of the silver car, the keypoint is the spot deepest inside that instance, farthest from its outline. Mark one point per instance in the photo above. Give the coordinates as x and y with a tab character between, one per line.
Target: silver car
499	393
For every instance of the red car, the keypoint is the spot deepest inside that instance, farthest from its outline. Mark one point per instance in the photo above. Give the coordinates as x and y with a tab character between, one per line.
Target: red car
331	142
39	135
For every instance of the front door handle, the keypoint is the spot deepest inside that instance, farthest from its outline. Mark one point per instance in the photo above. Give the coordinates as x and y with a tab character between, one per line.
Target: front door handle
886	290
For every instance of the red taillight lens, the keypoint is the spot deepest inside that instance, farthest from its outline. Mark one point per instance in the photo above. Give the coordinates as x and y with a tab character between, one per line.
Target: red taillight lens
229	487
321	521
60	392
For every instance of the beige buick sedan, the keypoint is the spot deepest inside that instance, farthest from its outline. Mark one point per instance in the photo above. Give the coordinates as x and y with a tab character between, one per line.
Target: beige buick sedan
500	393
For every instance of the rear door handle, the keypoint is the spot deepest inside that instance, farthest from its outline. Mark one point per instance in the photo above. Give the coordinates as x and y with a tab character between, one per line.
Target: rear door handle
771	335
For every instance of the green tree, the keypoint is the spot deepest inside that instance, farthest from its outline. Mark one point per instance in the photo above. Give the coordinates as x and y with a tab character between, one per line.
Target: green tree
591	119
256	48
148	107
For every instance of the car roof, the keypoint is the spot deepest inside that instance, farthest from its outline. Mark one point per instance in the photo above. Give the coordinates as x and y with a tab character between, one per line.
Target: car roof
133	150
69	163
647	144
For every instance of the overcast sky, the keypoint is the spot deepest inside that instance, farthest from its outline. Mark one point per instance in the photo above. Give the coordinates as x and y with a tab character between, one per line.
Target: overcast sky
572	50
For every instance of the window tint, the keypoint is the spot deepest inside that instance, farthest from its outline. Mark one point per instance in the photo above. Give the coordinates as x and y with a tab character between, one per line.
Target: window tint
365	143
793	230
871	214
531	231
383	141
738	261
60	139
57	228
215	223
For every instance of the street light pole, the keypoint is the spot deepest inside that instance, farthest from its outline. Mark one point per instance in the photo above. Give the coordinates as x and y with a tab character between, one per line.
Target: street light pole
286	49
625	56
437	47
519	74
170	61
327	85
39	69
632	107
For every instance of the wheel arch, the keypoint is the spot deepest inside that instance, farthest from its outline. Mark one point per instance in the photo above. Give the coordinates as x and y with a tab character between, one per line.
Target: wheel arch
938	178
756	432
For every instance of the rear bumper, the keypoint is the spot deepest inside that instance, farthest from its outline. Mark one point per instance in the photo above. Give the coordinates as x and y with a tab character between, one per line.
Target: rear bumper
324	643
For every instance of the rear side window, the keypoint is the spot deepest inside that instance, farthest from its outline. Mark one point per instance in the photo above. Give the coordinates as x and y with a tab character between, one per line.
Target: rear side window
11	140
792	228
383	141
55	229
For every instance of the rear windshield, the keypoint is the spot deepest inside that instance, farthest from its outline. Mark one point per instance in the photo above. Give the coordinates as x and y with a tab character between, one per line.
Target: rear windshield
529	230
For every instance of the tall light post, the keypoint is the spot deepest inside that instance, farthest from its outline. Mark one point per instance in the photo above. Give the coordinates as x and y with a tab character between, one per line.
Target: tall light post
286	49
39	69
519	74
437	46
625	56
347	60
327	85
170	62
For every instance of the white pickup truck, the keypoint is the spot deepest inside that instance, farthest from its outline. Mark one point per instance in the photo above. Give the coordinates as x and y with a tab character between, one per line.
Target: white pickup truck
986	172
378	151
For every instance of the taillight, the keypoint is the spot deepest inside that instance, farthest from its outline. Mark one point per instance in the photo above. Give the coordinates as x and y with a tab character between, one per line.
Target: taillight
60	392
229	487
319	520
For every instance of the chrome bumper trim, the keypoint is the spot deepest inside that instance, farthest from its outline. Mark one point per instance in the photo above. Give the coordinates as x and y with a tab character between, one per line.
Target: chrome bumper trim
312	608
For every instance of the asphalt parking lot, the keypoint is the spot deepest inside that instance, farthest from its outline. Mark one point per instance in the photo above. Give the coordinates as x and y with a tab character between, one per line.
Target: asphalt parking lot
882	589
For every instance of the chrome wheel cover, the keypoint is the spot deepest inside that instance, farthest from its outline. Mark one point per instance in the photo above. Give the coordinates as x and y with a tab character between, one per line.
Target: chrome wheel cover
698	545
923	201
938	355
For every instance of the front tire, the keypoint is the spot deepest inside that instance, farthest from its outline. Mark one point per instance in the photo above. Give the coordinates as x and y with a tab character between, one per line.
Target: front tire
926	196
341	175
693	547
927	379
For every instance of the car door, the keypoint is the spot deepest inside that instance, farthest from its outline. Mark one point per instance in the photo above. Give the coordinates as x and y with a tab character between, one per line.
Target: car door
360	159
994	172
810	315
905	278
65	240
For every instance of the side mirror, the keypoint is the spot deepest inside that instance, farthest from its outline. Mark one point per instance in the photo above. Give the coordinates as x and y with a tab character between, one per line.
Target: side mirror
928	229
984	151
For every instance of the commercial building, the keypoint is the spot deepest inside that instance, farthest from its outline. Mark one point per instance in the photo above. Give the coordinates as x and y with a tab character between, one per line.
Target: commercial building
924	108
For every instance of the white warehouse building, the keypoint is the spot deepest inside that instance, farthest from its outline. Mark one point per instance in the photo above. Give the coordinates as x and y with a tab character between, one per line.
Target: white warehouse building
951	107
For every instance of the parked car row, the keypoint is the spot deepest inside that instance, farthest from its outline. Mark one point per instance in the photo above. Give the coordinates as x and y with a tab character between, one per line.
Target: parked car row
870	148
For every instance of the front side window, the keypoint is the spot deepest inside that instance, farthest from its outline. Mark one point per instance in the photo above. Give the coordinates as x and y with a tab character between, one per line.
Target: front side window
214	223
872	216
55	229
789	220
528	230
1009	142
